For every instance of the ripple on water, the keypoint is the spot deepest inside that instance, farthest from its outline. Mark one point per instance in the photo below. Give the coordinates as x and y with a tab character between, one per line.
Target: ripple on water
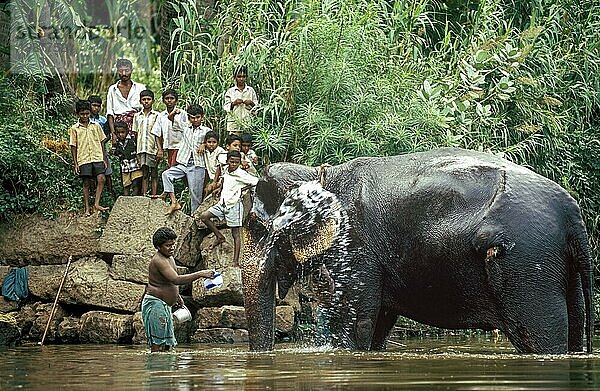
466	364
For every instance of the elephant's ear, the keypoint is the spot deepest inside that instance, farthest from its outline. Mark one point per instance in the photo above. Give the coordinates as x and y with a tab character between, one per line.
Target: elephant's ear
308	245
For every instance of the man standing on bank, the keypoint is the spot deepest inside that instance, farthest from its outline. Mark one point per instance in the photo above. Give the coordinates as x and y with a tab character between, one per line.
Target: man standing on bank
162	291
240	102
123	98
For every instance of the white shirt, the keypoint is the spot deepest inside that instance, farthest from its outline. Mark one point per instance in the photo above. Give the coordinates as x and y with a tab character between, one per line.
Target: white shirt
171	139
117	104
191	139
211	161
233	182
239	117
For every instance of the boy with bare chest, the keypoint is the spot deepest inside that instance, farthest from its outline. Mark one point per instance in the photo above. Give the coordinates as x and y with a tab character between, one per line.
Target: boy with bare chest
162	291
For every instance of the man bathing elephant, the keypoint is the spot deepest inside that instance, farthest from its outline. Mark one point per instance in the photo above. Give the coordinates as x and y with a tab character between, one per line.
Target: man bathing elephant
451	238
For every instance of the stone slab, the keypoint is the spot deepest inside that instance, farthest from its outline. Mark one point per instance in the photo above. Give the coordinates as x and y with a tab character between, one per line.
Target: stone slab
105	327
34	240
229	294
132	223
87	283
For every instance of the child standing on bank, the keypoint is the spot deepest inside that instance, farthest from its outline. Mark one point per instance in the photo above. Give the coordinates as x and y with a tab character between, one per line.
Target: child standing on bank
143	124
249	156
235	181
87	149
95	116
126	150
168	140
211	152
190	161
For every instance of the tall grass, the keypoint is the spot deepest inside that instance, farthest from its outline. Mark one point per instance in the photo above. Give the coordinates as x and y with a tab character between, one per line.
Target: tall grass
345	78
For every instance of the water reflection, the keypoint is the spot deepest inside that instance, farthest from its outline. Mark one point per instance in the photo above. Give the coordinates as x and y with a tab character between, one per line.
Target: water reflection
420	365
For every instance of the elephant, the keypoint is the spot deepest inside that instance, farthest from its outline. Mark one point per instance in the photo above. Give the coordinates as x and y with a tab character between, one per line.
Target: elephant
449	237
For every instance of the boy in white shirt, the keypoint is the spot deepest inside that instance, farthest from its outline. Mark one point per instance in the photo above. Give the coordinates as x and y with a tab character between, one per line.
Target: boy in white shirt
168	140
211	153
235	181
143	124
190	158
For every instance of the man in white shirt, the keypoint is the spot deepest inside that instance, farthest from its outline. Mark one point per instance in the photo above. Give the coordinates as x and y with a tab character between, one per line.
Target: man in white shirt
235	181
123	98
239	102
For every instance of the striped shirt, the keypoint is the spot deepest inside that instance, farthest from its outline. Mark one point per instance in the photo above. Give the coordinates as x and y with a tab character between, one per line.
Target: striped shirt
143	125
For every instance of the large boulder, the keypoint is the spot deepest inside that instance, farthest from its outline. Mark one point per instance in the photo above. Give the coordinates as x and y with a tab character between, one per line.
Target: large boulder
220	335
133	221
3	270
228	316
134	268
10	334
139	334
8	305
105	327
34	240
68	330
25	317
284	319
220	257
88	283
229	294
42	315
130	268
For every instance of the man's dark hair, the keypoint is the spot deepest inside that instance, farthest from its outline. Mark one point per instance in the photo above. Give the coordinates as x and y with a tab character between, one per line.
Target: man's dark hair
195	109
234	154
162	235
95	99
211	134
240	69
231	138
246	138
123	62
82	105
147	93
121	125
170	91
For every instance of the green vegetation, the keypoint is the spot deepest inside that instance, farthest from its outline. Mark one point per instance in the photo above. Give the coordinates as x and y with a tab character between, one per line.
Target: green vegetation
344	78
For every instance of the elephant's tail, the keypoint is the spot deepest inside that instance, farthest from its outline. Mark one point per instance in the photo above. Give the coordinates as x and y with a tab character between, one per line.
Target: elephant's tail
583	262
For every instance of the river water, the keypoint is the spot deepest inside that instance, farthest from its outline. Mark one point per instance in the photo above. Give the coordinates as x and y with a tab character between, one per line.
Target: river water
449	363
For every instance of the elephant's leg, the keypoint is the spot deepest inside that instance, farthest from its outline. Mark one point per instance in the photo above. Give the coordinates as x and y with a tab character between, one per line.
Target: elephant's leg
576	311
530	305
367	308
385	322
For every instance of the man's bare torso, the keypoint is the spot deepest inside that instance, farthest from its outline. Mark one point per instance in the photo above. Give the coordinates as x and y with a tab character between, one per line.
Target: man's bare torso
158	285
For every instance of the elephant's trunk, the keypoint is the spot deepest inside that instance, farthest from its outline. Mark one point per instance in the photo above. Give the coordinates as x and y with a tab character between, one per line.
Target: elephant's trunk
259	294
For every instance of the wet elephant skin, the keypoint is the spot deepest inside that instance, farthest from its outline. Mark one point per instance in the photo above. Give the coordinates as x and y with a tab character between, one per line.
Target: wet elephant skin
449	237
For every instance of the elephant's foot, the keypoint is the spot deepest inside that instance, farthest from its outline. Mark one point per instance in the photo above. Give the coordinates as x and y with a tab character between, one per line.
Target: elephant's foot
364	332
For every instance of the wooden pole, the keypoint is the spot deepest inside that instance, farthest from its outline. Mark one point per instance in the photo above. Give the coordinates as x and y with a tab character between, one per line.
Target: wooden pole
56	300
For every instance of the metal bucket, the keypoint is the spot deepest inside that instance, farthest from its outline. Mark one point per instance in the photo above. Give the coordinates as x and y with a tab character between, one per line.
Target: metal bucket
182	314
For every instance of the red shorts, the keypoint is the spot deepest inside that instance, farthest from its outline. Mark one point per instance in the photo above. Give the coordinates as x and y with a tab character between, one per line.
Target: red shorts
172	157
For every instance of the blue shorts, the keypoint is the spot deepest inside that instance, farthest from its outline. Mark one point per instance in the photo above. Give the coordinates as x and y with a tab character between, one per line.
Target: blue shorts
233	216
158	321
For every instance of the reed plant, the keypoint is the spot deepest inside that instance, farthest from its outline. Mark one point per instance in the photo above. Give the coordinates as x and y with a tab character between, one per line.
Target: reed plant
339	79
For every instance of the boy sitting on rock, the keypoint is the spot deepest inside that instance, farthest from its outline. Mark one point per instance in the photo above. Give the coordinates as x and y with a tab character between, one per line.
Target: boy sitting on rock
234	180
